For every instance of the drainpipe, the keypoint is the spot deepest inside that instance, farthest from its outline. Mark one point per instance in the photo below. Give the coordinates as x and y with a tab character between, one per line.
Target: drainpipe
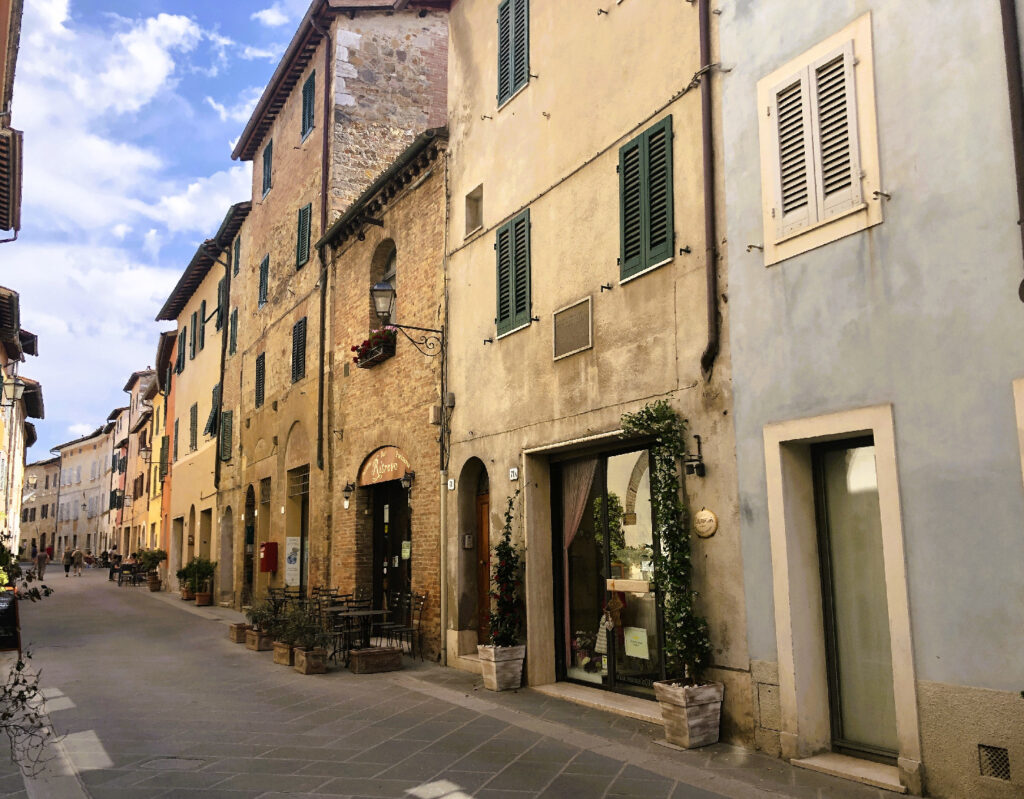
1015	85
707	360
225	319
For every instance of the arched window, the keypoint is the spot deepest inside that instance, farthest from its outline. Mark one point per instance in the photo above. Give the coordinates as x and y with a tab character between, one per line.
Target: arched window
384	269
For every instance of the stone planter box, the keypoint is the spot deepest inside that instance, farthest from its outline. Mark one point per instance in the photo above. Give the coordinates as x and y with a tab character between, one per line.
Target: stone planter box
502	666
236	633
153	578
375	659
310	661
283	654
692	713
204	598
187	594
257	641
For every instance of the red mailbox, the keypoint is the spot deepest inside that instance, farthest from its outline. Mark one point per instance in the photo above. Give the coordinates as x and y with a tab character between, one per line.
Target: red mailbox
268	557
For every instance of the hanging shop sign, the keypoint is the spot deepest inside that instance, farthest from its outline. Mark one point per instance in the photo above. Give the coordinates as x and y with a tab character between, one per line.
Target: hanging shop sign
387	463
291	560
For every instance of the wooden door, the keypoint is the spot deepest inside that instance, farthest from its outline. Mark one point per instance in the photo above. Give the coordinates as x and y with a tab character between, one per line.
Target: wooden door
483	566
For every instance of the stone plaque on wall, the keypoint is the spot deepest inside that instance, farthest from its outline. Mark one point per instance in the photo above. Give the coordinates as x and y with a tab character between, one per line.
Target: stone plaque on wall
573	329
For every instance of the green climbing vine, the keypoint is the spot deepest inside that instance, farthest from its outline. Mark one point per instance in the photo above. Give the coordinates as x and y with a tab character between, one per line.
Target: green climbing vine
687	643
507	580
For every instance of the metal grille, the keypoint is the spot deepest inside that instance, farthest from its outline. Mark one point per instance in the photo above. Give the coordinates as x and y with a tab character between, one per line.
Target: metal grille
298	481
265	490
994	761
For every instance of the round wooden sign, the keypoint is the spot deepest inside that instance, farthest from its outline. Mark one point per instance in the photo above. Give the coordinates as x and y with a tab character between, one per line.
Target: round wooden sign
705	523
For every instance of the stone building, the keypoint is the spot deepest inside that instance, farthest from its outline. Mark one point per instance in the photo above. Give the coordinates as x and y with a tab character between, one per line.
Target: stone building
160	452
39	504
10	139
117	427
198	304
585	281
873	208
135	519
85	469
385	400
351	92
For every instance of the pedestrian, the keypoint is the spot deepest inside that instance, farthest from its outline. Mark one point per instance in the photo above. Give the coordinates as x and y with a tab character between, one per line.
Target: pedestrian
41	560
49	552
77	559
66	560
35	551
115	567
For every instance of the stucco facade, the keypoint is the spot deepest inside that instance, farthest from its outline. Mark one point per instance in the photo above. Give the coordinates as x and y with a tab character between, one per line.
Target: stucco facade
85	468
136	504
39	524
903	330
519	408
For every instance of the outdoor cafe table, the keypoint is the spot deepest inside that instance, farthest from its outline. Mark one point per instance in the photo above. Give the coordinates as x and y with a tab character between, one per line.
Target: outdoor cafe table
363	616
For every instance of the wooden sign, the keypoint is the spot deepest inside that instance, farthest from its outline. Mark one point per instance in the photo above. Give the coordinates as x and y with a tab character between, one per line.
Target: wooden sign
387	463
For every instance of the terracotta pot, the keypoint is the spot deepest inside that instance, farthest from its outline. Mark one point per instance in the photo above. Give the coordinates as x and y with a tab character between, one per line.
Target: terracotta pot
204	598
236	633
310	661
502	666
692	713
187	594
257	640
283	653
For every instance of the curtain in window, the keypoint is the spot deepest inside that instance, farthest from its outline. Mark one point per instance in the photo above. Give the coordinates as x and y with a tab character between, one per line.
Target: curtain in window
577	477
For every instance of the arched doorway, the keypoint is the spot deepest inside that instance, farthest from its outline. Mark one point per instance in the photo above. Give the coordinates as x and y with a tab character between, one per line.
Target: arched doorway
190	541
226	557
296	520
386	533
474	561
249	520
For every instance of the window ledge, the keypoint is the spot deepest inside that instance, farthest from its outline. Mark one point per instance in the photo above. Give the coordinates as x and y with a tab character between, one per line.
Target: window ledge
513	96
307	134
645	270
472	234
508	333
823	223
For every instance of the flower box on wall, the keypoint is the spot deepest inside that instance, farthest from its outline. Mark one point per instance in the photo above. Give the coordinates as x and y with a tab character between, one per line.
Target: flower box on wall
378	347
376	355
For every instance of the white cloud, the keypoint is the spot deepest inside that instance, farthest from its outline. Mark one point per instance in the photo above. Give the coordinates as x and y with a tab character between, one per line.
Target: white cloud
152	242
80	429
240	111
272	17
250	53
120	231
202	205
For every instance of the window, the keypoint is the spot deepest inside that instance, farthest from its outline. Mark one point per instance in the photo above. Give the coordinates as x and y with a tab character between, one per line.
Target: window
163	455
302	237
308	104
193	427
226	423
192	337
78	474
211	420
513	47
299	350
260	377
645	200
222	302
202	325
46	481
236	262
233	332
44	512
264	280
268	162
475	209
819	147
513	255
175	440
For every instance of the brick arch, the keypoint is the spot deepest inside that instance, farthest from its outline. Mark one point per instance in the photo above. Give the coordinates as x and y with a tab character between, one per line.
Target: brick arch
639	468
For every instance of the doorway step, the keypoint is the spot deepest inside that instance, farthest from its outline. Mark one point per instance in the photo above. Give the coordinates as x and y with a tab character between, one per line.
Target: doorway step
620	704
877	775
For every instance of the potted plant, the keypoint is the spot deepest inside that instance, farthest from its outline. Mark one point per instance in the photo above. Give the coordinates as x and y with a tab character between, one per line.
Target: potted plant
311	642
502	657
261	618
378	347
185	582
202	580
690	707
151	560
284	630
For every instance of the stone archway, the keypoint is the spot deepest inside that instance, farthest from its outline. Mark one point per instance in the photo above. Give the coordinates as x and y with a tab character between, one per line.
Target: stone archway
472	566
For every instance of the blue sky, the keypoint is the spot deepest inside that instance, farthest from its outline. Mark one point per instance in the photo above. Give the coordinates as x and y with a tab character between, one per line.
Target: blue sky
130	109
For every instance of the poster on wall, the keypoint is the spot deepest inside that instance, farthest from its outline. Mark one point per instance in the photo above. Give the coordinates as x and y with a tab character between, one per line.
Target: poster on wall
291	560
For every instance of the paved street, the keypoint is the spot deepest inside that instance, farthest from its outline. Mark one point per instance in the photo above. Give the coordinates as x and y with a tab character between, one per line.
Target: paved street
154	701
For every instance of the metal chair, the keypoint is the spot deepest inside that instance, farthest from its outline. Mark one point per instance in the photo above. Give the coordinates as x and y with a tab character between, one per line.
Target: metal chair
413	631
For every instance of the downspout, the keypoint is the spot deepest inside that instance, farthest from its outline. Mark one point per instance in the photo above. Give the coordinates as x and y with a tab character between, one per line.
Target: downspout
707	360
225	323
1015	85
324	163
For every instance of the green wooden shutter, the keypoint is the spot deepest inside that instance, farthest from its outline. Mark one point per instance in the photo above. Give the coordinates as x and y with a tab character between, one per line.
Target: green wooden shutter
302	238
211	420
164	446
268	163
631	225
226	424
236	262
520	44
192	337
193	427
299	350
260	377
233	332
202	325
221	302
521	269
264	281
308	103
659	234
503	246
179	365
176	440
504	51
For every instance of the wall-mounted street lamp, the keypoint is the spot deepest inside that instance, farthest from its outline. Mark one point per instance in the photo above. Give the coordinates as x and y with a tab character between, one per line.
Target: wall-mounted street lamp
14	390
431	342
407	479
346	493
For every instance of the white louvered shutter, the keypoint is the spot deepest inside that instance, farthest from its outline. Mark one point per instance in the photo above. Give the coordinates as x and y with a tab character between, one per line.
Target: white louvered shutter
834	119
796	205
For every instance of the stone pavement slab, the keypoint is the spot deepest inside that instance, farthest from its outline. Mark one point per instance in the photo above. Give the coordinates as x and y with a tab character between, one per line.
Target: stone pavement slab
156	702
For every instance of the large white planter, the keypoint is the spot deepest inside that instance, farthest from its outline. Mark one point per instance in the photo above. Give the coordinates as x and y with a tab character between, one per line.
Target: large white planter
692	713
502	666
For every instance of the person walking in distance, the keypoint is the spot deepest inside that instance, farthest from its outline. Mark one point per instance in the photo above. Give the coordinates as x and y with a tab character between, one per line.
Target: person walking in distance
66	561
41	560
77	560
